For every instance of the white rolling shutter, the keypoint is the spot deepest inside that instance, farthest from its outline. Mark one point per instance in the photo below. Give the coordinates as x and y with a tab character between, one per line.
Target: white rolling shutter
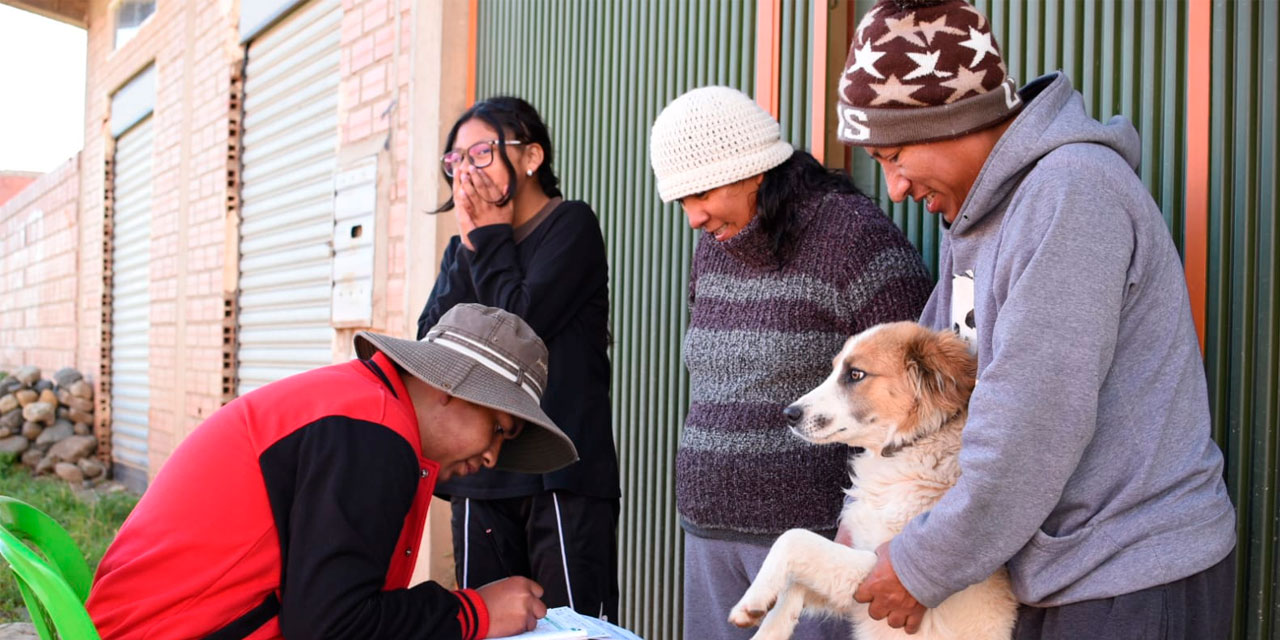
131	299
286	232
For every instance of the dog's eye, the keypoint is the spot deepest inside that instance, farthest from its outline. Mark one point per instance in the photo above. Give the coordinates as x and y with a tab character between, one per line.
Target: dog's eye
852	375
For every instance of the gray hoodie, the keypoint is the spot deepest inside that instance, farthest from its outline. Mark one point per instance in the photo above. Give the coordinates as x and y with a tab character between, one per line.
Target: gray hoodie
1087	464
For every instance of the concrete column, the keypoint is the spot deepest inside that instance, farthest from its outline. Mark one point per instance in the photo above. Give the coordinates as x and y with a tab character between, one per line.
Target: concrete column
437	95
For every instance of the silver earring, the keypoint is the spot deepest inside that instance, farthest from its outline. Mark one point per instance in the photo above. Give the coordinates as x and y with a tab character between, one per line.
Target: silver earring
529	173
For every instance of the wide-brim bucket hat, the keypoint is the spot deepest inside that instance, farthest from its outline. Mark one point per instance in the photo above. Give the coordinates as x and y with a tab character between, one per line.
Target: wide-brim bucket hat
492	358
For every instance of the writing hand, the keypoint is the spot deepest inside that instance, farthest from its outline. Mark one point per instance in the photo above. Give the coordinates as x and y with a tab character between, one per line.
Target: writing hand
514	605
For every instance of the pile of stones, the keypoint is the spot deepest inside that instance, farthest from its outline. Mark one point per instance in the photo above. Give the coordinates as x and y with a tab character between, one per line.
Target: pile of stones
47	425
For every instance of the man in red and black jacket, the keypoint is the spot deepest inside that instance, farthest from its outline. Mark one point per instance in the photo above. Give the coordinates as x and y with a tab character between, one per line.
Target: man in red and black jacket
297	510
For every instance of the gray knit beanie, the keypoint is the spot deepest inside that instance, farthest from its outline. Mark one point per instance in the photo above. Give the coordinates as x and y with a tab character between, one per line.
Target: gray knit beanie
710	137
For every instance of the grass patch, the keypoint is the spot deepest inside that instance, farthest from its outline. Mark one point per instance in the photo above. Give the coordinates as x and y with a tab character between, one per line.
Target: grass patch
92	519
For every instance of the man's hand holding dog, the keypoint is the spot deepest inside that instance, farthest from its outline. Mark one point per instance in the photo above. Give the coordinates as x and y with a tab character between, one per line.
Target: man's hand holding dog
887	597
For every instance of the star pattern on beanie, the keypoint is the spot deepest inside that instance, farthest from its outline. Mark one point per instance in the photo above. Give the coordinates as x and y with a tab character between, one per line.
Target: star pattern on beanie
864	59
904	28
981	44
926	64
965	81
922	44
931	29
867	21
932	54
893	90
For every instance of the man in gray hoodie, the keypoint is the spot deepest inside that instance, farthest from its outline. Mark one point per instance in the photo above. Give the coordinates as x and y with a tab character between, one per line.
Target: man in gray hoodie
1087	466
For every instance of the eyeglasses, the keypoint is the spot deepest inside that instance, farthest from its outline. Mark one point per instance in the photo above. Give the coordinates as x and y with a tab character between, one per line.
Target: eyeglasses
480	155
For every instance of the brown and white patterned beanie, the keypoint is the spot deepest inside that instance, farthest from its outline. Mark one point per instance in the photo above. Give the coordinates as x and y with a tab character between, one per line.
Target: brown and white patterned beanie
920	71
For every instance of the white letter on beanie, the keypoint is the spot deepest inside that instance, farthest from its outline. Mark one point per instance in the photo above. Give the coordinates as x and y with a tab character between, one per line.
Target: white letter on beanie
853	123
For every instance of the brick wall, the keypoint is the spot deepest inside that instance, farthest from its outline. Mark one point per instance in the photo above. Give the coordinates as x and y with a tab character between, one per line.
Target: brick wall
380	61
194	67
38	257
194	247
375	104
195	49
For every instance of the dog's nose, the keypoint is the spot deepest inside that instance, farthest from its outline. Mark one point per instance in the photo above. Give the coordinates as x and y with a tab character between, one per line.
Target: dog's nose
793	414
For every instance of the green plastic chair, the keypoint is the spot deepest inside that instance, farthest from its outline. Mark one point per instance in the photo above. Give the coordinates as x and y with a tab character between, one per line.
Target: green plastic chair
56	607
50	539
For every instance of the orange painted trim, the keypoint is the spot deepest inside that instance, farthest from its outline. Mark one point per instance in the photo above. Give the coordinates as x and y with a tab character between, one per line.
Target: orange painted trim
768	54
776	87
818	101
473	17
1196	229
850	29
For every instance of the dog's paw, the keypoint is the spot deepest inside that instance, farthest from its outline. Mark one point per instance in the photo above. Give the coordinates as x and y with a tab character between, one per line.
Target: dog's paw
770	634
782	619
747	614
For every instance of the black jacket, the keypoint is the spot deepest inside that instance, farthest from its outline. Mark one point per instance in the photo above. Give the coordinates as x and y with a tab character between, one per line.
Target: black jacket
556	278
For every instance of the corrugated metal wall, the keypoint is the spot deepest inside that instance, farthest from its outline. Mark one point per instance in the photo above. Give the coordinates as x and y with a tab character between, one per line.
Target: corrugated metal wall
131	301
795	80
1125	56
286	230
600	73
1242	342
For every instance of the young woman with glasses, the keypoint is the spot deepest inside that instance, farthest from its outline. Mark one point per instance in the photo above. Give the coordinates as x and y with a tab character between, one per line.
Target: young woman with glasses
522	247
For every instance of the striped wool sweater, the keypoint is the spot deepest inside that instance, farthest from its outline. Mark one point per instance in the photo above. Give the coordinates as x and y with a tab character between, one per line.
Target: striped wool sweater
760	336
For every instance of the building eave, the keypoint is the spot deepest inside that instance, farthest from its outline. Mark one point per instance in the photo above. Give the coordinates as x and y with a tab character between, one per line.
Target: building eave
72	12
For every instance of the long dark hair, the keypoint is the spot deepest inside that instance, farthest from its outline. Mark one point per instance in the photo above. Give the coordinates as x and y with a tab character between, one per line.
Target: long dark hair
788	186
509	114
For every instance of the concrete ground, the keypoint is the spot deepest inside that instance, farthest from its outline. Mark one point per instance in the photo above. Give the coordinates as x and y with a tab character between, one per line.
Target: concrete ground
18	631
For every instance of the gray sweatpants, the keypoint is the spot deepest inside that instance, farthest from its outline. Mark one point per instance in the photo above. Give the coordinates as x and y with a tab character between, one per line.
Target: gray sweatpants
716	574
1198	607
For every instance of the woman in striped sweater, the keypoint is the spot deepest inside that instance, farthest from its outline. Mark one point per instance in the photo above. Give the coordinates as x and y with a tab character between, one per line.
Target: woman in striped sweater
793	261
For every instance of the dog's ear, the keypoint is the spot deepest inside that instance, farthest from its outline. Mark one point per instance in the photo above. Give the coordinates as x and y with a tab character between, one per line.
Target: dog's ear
941	370
941	373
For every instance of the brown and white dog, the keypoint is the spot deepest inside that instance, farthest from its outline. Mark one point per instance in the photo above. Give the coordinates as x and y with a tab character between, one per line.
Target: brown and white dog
901	392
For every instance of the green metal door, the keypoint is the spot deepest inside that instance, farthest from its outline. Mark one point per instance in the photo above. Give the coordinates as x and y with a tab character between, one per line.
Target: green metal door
599	72
1242	337
795	81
